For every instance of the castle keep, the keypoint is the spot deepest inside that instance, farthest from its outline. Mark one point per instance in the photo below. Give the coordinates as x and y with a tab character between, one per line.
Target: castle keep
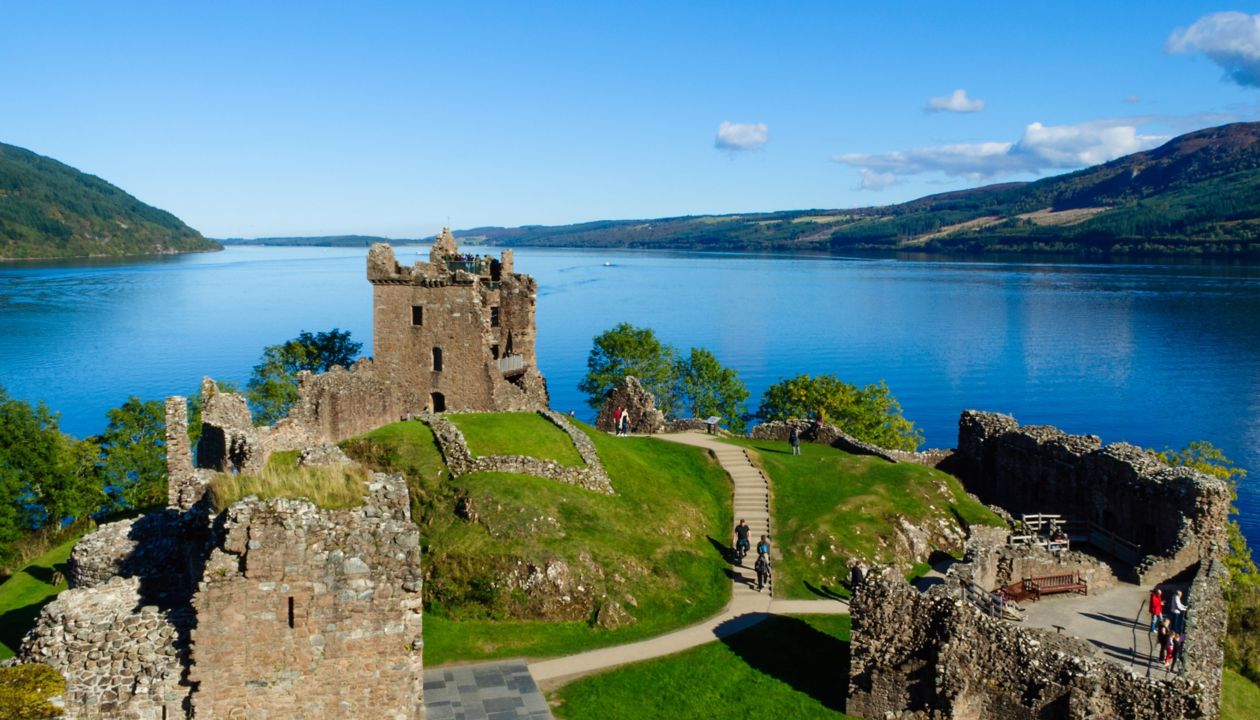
457	332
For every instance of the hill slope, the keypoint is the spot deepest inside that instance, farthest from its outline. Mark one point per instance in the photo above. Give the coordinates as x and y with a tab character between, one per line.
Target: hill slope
1196	194
50	210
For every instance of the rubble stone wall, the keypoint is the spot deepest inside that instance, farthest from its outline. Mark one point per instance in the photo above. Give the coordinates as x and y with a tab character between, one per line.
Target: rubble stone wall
991	562
460	460
826	434
1176	516
340	403
163	550
632	397
311	613
926	655
120	657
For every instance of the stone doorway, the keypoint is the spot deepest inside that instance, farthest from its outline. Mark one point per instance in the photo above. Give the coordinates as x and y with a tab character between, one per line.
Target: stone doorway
439	402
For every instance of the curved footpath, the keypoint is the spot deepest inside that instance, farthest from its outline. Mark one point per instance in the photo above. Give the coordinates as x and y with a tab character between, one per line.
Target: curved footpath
747	606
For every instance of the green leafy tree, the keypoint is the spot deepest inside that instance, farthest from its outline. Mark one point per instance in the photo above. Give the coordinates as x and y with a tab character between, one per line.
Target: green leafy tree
273	385
1242	639
706	388
46	476
868	413
629	350
133	454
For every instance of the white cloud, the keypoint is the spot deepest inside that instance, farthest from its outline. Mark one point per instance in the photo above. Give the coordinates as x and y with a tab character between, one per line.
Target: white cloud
741	136
956	102
1131	100
1229	39
1042	147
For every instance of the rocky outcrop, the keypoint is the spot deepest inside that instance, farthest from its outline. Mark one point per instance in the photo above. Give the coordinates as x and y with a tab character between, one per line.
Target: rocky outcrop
631	396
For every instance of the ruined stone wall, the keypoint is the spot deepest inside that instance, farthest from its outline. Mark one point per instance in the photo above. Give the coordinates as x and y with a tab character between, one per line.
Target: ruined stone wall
991	562
460	460
121	658
633	398
1175	515
826	434
163	550
1206	624
310	613
929	653
340	404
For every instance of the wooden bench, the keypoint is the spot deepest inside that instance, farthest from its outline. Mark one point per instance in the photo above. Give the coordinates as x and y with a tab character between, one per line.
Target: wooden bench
1050	584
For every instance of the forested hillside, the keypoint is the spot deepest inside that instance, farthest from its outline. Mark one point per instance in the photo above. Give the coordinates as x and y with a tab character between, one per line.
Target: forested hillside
50	210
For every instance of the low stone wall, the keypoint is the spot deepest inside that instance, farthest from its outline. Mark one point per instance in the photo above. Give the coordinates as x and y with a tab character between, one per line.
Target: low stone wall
460	460
991	562
693	425
1206	624
929	655
825	434
120	657
162	550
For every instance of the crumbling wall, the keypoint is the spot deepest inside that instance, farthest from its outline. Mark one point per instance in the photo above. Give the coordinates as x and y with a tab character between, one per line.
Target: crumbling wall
632	397
460	460
1176	516
991	562
312	613
121	658
827	434
164	550
340	403
931	654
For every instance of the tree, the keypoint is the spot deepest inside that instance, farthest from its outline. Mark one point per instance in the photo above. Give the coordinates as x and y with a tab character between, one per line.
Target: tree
869	413
46	476
706	388
628	350
273	385
1242	642
133	454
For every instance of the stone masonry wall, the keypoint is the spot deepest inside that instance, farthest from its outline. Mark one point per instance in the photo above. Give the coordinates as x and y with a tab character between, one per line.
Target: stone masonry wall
826	434
631	396
929	655
460	460
991	562
340	403
122	659
163	550
1177	516
308	613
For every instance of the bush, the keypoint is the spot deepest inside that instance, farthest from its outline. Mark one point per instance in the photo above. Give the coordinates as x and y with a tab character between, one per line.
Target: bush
26	689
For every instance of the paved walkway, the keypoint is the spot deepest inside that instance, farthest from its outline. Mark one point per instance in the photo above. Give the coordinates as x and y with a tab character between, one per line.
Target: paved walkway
747	606
489	691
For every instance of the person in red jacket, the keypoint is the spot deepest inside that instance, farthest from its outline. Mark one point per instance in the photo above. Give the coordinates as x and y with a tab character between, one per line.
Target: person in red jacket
1156	608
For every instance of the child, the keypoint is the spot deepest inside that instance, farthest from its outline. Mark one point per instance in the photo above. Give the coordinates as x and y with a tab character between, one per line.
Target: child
763	571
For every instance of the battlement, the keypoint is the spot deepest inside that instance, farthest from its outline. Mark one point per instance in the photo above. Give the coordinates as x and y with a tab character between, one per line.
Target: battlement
446	266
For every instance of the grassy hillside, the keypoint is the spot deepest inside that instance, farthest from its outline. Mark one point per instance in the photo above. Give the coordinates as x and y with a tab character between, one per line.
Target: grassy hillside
1240	698
26	592
632	565
829	506
1198	194
783	667
516	434
50	210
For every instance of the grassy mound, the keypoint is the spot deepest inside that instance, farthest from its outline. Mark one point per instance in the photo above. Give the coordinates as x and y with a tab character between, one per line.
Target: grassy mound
830	506
1240	698
782	667
331	488
523	566
26	592
516	434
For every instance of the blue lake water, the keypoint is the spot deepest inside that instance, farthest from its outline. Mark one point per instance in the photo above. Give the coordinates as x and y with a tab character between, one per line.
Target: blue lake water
1156	355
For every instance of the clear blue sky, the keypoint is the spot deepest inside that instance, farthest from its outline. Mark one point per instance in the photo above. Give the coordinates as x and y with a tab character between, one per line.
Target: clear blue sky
265	118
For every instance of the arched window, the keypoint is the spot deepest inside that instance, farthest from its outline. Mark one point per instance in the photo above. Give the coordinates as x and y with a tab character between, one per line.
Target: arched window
437	359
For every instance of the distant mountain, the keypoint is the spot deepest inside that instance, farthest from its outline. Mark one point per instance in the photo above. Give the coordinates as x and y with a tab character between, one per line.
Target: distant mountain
324	241
1196	194
50	210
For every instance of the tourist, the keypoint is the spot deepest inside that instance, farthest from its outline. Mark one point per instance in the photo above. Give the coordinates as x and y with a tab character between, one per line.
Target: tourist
857	576
794	439
763	546
1161	638
741	540
625	423
1169	650
1156	608
617	420
762	567
1179	613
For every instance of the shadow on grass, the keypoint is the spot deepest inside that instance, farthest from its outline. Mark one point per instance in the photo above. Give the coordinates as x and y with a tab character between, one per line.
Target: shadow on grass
16	622
789	650
828	592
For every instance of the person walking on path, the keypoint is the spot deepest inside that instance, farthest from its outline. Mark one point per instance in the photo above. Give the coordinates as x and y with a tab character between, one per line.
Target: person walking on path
1157	609
741	541
617	420
762	567
1179	613
794	438
625	423
763	546
1161	639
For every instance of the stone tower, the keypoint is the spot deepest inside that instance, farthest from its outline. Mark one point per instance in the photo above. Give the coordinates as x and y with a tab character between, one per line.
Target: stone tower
457	332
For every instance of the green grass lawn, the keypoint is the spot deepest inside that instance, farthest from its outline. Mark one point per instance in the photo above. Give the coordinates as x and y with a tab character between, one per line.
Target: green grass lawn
784	667
516	434
1240	698
26	592
647	548
830	506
